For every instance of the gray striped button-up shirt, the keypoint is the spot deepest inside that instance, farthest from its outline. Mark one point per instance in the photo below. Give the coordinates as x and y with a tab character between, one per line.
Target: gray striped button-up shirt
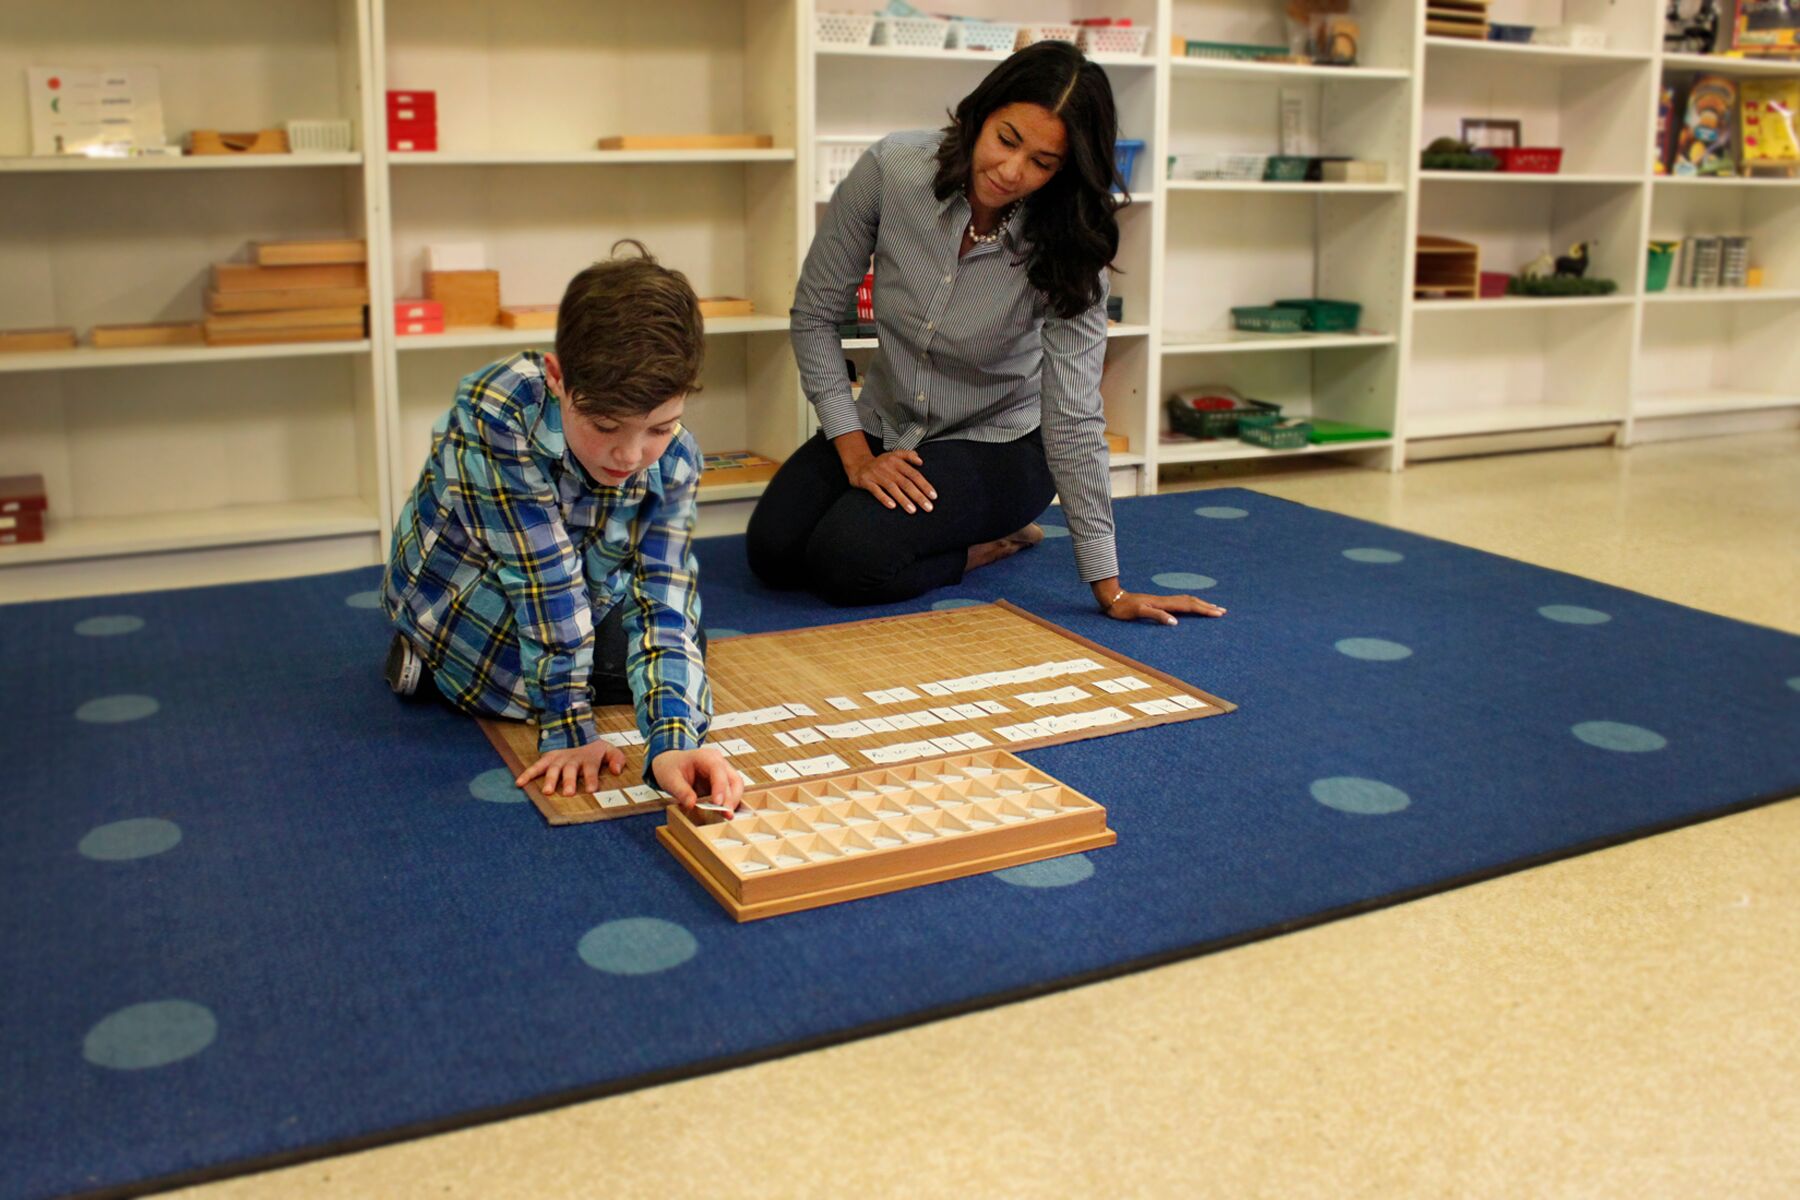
969	349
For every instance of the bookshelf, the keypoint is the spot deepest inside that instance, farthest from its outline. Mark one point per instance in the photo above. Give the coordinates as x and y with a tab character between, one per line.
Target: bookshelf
181	465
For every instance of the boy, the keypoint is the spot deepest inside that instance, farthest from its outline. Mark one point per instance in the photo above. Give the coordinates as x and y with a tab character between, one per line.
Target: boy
544	562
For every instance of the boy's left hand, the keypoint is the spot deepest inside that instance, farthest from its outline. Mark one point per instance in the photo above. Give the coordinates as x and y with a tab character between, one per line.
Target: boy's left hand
578	766
682	773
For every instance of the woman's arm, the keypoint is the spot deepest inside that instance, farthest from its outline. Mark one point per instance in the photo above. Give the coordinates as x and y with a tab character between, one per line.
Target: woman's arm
835	264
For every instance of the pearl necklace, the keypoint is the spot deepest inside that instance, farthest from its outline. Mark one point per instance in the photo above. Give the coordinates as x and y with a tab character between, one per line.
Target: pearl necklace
1006	215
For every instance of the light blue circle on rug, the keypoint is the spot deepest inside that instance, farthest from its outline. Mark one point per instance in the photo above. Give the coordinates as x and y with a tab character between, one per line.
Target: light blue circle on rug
954	602
110	710
496	787
1051	873
153	1034
1053	531
1617	735
637	946
108	626
139	837
1365	797
1574	614
1794	683
1373	554
363	599
1184	579
1373	649
713	635
1220	512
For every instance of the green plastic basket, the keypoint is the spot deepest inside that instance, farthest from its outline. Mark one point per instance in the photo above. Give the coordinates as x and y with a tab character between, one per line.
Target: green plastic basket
1286	168
1268	319
1277	435
1327	316
1218	422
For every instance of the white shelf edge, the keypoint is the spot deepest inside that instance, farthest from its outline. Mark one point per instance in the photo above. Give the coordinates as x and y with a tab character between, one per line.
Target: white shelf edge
1702	403
1128	459
458	338
1517	177
27	164
1230	450
1721	295
1235	342
1232	67
74	538
1557	55
1523	303
582	158
1112	331
1307	189
1725	65
1503	418
1725	181
722	493
88	357
990	57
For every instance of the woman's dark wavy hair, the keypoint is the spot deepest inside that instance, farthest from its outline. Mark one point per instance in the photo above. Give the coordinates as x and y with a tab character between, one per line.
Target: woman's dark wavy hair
1068	232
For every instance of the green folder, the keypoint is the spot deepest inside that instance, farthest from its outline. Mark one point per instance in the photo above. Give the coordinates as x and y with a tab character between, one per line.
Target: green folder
1342	431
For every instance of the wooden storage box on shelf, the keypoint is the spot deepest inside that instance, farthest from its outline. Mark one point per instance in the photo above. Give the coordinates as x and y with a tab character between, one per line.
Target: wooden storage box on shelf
279	299
21	341
726	306
468	297
249	277
261	141
689	141
177	333
1444	268
529	316
297	254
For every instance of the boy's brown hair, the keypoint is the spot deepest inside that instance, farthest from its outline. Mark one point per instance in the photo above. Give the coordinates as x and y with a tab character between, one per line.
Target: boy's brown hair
628	335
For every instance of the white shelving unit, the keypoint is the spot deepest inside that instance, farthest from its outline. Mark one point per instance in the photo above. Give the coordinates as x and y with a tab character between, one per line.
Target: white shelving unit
192	464
186	464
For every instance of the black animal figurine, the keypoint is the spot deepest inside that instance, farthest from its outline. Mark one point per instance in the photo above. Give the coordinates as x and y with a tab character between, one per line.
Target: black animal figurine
1574	264
1691	26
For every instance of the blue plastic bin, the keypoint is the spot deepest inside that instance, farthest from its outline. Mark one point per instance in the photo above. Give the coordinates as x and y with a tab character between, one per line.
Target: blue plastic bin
1125	153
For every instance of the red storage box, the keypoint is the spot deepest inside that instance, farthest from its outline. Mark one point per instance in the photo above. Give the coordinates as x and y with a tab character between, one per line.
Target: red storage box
22	493
1493	284
412	141
21	527
424	325
1529	160
418	309
412	106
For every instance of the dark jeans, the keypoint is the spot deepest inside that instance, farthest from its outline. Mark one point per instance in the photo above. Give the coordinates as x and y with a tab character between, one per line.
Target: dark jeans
608	684
812	530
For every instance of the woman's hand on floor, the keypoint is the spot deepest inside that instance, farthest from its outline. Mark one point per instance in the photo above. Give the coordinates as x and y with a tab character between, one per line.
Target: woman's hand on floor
687	774
1142	606
894	479
576	769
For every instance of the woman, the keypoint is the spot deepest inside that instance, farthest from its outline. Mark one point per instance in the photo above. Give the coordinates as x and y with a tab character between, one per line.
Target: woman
991	240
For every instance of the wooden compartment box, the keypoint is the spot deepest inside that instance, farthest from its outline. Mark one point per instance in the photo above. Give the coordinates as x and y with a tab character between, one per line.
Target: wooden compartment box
1446	269
810	844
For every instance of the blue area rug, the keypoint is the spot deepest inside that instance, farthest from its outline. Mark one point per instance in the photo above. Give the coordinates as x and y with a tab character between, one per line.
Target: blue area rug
257	910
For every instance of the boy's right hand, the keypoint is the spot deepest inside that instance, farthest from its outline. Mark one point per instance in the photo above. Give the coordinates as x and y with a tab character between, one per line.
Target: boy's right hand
576	769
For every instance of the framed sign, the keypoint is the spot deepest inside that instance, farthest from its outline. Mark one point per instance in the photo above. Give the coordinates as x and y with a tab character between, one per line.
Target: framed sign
1483	134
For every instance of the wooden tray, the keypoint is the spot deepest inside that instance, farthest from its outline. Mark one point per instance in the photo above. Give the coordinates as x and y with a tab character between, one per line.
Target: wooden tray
812	844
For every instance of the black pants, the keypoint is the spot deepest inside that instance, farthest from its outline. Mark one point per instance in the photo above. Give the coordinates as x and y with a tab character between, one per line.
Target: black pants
812	530
608	684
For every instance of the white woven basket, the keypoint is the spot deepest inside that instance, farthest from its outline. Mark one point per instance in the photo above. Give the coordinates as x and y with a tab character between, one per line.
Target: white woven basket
843	29
1114	39
921	33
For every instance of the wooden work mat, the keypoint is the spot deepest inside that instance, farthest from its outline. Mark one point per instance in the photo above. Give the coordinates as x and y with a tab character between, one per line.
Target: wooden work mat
1018	680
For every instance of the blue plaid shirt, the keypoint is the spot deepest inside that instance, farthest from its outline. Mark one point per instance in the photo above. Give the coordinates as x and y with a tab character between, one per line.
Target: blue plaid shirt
508	555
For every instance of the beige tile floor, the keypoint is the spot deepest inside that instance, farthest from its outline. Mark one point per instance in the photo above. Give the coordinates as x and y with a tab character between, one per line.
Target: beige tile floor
1622	1024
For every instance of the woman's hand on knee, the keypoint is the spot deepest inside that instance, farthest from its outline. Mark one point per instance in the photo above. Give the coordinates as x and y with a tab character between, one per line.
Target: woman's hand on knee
578	768
894	479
